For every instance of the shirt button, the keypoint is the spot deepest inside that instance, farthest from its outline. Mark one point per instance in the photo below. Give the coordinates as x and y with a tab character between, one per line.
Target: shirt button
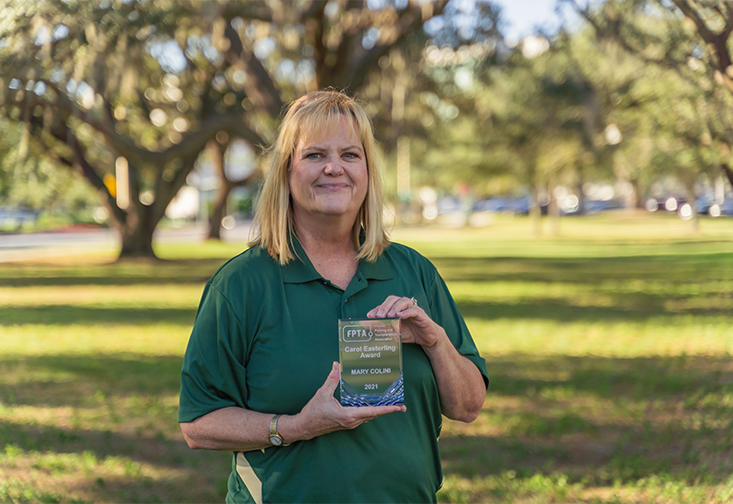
347	300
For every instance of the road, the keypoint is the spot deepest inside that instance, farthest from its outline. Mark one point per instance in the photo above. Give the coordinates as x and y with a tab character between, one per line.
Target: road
24	246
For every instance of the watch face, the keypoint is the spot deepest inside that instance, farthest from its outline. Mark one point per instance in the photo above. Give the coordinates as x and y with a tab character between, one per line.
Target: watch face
276	440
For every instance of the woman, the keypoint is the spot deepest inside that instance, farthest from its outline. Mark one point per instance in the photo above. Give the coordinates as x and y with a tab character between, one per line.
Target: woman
265	335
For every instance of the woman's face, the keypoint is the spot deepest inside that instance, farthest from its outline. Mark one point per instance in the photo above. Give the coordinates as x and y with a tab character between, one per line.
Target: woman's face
328	175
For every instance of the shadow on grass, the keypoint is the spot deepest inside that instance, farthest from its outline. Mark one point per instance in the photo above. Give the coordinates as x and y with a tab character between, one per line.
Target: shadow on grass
626	456
70	379
108	407
634	308
640	378
670	267
548	427
601	420
185	271
141	448
575	270
84	381
204	472
67	315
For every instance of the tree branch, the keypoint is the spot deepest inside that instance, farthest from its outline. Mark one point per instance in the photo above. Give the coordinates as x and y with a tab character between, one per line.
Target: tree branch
728	172
690	13
78	157
717	43
192	143
166	191
353	63
260	87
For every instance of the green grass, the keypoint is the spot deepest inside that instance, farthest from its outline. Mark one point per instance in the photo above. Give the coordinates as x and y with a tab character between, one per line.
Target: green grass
609	349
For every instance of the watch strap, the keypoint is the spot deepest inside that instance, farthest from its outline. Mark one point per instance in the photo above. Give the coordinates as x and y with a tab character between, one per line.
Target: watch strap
273	430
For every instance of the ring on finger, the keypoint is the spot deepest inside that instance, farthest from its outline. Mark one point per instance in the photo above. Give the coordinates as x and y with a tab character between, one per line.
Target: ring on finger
414	301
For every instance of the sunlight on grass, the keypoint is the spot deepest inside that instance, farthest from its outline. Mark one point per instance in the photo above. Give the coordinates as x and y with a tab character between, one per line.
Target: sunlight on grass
150	339
148	296
651	336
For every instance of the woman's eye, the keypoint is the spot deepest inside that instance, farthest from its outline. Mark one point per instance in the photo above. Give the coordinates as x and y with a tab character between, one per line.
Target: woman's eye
312	155
351	155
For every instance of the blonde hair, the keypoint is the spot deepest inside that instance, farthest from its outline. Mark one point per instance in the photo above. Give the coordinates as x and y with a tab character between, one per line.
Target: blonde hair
315	113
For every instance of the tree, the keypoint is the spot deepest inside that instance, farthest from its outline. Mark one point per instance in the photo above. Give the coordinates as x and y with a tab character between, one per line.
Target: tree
689	37
706	16
85	81
523	124
139	89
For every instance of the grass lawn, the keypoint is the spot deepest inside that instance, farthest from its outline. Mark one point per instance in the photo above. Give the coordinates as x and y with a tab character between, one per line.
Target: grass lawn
609	349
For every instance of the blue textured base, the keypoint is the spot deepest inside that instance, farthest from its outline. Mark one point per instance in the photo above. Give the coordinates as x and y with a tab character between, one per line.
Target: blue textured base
395	395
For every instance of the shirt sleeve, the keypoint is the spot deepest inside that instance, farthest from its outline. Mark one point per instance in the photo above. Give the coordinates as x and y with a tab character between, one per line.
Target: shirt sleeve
213	373
445	313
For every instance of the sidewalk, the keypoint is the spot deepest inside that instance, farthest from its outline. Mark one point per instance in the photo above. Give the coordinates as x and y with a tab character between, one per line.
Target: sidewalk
48	244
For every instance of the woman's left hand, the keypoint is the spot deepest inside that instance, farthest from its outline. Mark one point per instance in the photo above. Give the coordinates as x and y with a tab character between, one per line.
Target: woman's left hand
460	384
416	326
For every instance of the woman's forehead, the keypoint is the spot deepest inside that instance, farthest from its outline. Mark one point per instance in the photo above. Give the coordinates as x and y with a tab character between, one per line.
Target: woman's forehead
335	125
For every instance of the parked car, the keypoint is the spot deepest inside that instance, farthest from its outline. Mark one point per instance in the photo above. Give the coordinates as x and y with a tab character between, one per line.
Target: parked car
720	209
709	206
13	219
503	204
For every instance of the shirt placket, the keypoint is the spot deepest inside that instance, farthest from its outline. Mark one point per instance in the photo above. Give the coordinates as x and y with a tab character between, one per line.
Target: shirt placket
348	309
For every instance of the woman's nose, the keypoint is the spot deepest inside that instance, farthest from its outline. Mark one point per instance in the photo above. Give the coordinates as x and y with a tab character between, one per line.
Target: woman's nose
333	166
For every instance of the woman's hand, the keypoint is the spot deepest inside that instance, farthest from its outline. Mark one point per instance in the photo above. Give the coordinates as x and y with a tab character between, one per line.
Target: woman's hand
324	414
239	429
460	384
416	326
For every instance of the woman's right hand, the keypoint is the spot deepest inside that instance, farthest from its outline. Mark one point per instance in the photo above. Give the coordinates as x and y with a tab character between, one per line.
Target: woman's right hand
324	414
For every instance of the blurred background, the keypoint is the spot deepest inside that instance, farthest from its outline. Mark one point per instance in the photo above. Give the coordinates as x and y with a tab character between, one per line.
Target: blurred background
130	115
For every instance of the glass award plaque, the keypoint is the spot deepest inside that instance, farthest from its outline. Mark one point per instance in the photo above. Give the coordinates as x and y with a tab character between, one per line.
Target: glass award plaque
370	353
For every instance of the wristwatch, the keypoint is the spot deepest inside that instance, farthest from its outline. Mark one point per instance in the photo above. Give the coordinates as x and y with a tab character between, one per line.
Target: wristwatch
275	438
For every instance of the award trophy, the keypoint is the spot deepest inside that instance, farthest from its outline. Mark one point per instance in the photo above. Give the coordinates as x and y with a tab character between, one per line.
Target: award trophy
370	353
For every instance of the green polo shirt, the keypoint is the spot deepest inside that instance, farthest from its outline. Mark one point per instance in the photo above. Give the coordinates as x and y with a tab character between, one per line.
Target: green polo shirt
265	338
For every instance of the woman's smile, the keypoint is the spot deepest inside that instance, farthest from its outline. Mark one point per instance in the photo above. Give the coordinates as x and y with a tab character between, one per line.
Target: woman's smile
332	186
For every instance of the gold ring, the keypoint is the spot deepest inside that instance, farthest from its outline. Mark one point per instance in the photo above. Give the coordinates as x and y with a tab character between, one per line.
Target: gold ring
414	301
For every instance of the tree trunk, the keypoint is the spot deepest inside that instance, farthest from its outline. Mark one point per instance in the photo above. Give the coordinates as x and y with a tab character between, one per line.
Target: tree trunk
136	234
728	173
579	187
638	195
137	222
553	211
216	151
218	212
695	220
592	110
535	212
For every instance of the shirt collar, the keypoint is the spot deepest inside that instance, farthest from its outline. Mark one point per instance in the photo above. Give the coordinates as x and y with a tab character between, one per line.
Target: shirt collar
301	270
377	270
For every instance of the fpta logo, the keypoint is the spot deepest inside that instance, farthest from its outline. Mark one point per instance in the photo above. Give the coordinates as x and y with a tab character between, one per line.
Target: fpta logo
354	333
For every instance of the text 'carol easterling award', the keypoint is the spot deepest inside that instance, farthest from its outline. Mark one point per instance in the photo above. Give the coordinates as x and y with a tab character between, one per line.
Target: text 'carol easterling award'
371	362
